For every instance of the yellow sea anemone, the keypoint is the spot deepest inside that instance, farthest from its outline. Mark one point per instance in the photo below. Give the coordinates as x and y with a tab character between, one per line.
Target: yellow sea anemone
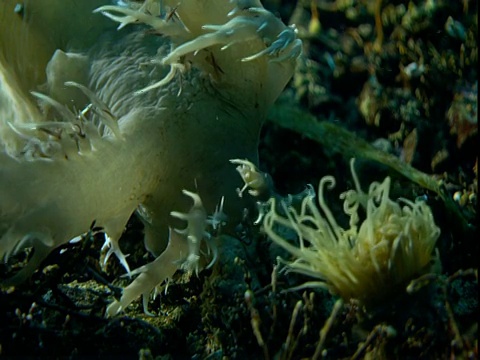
392	245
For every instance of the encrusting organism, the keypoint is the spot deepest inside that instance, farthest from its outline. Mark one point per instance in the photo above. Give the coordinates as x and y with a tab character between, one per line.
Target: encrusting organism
98	122
369	260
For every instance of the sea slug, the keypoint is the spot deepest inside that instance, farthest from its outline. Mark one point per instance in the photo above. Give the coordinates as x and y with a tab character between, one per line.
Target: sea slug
99	119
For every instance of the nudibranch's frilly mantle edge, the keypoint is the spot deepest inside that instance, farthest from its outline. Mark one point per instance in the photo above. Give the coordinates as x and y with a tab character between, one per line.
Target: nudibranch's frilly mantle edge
161	118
